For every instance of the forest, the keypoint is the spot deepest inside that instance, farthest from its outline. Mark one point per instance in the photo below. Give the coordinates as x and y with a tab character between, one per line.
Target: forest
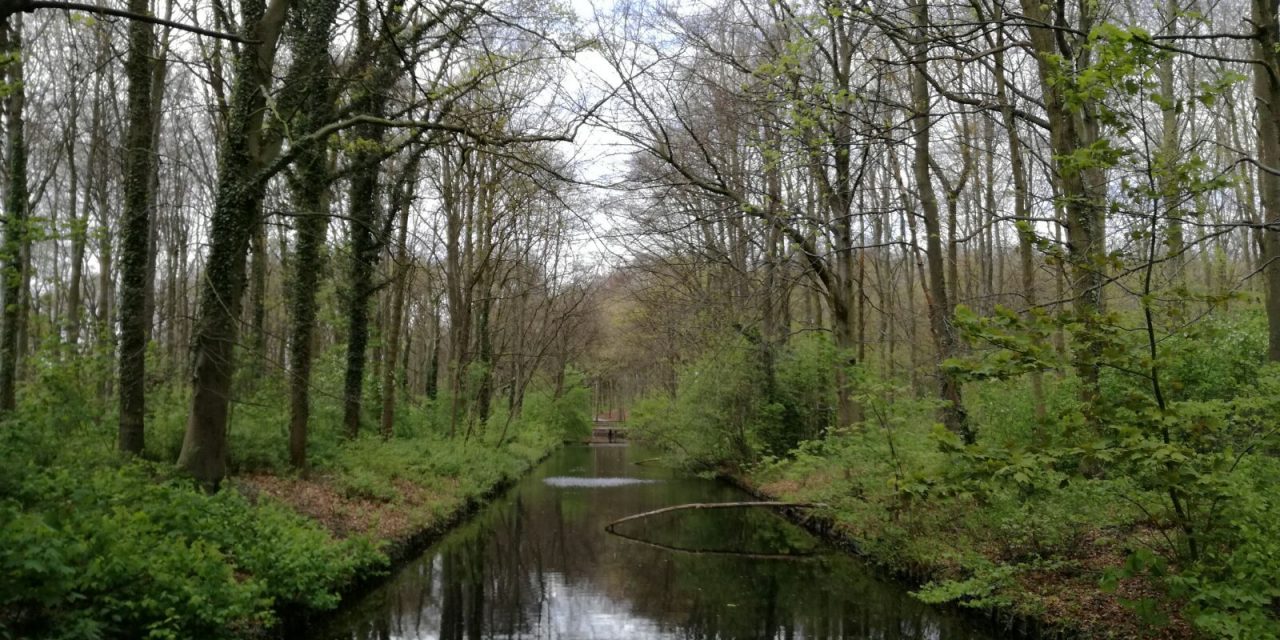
288	286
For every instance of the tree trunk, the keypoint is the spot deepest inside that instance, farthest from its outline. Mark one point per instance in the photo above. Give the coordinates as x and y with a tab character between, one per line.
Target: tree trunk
364	258
257	342
953	414
1266	84
15	218
454	195
1081	188
311	208
403	203
1022	207
431	385
364	215
159	70
80	222
309	91
1168	158
204	446
136	234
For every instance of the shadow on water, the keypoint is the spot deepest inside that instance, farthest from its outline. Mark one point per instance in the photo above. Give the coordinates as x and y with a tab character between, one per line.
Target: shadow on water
537	563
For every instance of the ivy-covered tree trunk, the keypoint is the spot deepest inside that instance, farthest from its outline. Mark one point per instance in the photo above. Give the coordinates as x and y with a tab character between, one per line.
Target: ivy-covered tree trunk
310	93
311	209
257	340
136	234
364	214
431	385
15	213
365	246
204	446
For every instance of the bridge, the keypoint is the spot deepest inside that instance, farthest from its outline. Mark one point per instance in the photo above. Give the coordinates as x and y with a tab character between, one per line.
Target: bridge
604	431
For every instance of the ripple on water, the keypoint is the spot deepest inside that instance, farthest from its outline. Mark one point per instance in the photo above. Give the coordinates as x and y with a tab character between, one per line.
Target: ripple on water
591	483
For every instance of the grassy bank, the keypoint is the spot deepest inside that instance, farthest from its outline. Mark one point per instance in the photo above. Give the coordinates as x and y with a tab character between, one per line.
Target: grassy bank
1041	561
96	546
1122	518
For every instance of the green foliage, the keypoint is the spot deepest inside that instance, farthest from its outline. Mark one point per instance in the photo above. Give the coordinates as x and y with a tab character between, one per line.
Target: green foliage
806	389
1186	486
1185	460
982	589
455	470
567	417
1006	412
93	546
1021	344
56	395
730	410
1216	359
1233	592
715	414
117	551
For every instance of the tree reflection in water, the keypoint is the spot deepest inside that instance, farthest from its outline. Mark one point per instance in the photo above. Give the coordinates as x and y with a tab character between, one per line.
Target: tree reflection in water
537	563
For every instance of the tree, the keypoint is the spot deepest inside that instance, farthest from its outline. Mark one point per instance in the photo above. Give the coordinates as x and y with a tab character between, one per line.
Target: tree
401	204
239	191
1058	40
1266	87
135	247
366	212
940	309
12	266
310	97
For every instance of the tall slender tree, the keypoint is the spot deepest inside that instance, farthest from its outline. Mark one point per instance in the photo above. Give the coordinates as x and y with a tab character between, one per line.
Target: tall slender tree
135	246
12	266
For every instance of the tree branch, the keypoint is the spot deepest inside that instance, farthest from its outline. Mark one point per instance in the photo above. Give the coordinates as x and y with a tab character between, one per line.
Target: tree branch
10	7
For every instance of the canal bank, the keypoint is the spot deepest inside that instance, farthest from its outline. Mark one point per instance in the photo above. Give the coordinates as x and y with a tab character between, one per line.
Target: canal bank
1061	601
402	500
536	562
1008	622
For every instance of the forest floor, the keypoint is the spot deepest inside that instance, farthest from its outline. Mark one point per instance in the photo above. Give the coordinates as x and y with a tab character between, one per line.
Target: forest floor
1055	596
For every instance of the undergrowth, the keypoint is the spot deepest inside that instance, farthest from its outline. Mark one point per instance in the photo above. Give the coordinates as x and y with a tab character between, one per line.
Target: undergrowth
94	545
1149	519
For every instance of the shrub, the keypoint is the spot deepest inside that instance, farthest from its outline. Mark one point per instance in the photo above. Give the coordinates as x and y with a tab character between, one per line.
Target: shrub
567	417
121	552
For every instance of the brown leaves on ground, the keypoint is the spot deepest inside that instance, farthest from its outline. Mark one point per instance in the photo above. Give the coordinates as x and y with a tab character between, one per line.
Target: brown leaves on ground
782	487
321	498
1071	596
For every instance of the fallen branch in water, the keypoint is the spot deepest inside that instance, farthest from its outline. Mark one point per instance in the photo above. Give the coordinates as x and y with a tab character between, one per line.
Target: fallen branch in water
800	555
715	505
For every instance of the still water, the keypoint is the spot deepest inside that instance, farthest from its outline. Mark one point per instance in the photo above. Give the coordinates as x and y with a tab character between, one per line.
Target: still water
537	563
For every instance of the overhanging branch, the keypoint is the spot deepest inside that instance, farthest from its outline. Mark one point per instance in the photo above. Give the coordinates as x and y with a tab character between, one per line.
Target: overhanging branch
10	7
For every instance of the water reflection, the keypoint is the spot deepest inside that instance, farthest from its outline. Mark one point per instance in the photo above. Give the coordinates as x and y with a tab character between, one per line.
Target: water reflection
538	564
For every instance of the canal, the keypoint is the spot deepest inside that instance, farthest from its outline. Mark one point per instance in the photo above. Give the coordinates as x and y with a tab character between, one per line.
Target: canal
538	563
